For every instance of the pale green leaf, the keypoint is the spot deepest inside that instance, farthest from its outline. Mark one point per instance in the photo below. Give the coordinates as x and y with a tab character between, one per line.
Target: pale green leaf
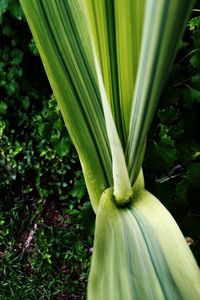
163	27
140	254
116	29
60	31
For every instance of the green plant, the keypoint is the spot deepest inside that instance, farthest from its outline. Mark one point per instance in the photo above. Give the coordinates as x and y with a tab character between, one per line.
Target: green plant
94	84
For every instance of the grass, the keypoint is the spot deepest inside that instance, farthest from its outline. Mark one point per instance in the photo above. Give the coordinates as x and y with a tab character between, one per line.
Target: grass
44	253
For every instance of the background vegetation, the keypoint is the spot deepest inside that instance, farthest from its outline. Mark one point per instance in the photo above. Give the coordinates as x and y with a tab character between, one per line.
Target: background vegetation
46	221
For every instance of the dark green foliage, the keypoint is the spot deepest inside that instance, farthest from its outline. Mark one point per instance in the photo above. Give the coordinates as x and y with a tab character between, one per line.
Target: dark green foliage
162	153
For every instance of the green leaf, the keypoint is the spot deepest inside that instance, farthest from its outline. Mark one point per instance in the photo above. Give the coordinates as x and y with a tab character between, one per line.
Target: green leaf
73	78
33	47
184	189
116	30
181	192
15	9
194	23
156	57
17	149
116	55
2	127
17	56
26	102
193	173
196	79
78	190
3	8
194	94
45	130
195	60
62	147
162	155
3	107
130	241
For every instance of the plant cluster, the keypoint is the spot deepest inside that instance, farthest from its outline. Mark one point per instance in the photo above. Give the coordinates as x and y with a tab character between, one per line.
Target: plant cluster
46	221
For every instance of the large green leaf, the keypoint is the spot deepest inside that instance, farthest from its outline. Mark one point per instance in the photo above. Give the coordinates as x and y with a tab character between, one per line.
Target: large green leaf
116	30
140	253
60	31
116	42
164	24
92	81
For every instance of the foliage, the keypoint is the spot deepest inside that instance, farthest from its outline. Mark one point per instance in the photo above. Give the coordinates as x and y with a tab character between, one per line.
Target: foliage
42	189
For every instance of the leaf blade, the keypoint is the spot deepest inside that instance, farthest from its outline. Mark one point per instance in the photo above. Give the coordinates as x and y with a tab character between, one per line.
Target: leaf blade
62	38
164	24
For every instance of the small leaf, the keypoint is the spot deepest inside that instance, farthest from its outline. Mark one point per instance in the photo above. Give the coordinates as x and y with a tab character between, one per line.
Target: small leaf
16	10
196	79
195	94
182	45
3	107
189	182
194	23
26	102
161	155
62	147
78	190
2	127
45	130
17	148
33	48
17	56
195	60
182	190
193	172
3	7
